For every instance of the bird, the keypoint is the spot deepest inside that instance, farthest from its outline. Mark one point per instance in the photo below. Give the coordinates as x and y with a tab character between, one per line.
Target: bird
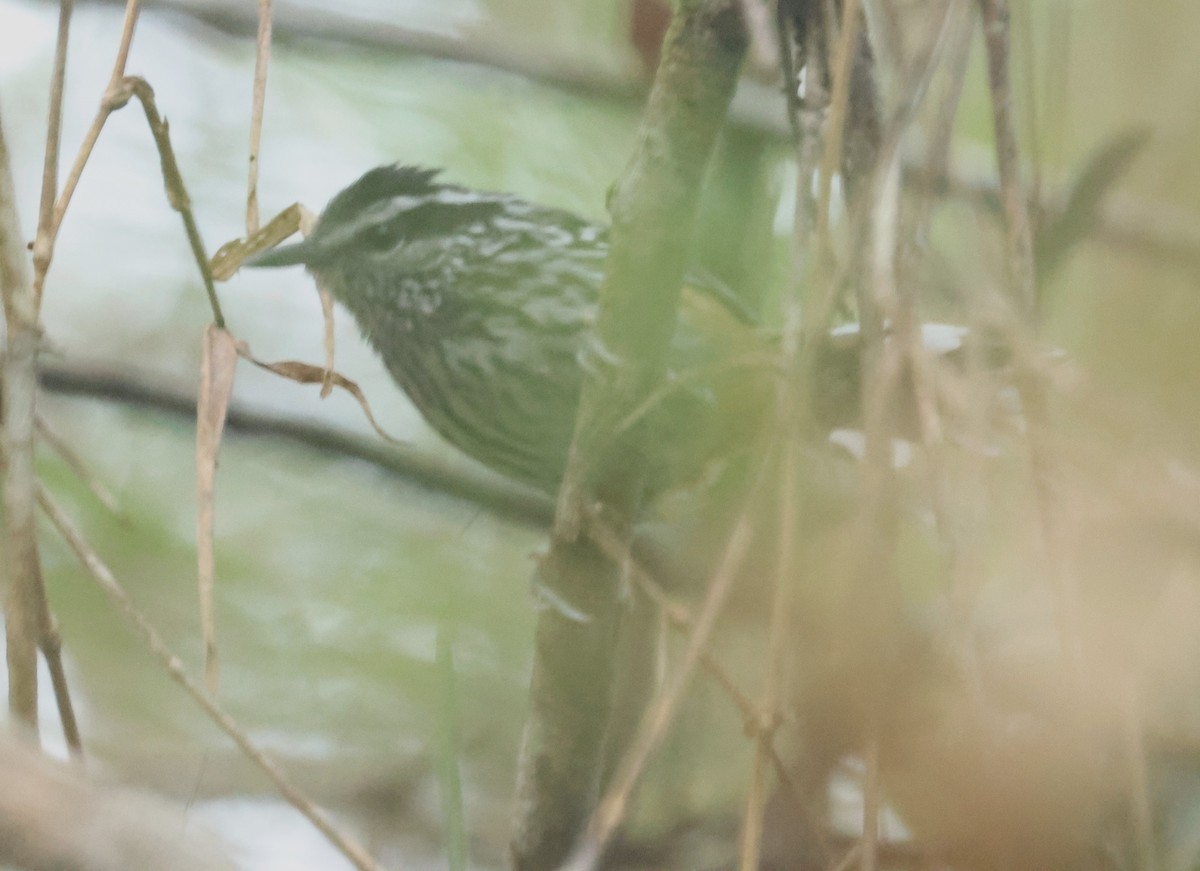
481	305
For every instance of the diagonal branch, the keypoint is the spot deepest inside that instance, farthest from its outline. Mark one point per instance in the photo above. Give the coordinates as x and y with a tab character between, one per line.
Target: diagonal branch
104	578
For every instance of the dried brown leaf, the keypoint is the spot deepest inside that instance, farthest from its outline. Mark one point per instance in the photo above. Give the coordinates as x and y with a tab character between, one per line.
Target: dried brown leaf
327	317
218	364
307	373
230	256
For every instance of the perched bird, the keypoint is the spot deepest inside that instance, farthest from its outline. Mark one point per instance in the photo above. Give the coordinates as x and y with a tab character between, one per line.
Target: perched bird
480	305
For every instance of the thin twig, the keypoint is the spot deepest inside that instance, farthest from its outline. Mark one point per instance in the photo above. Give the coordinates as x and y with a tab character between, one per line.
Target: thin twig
1162	234
262	59
756	801
1032	114
132	10
1023	290
1030	384
779	646
1012	194
681	621
831	156
893	267
450	750
507	501
1133	735
104	578
76	172
43	243
871	799
107	107
54	125
177	196
677	615
959	29
823	273
77	464
50	643
611	809
880	299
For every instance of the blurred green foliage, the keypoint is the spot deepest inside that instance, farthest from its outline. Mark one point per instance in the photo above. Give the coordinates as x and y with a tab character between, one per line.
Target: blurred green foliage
333	578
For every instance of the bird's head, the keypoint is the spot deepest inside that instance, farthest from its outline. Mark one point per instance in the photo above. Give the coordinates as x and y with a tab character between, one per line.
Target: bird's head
386	210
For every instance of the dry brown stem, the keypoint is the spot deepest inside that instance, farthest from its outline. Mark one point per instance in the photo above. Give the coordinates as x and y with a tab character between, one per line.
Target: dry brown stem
262	60
173	665
611	809
25	594
218	365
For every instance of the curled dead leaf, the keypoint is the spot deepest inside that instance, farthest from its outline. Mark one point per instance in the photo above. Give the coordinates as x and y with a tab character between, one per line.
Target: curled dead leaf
307	373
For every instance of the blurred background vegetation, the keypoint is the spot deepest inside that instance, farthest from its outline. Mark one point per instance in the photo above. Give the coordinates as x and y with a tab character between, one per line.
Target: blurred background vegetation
335	577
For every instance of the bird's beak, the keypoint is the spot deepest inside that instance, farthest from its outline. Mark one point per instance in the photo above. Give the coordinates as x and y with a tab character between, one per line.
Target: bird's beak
285	255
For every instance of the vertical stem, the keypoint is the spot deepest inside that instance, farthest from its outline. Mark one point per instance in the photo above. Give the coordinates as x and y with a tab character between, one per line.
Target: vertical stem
128	24
842	65
780	646
44	242
1016	212
449	749
871	794
22	573
262	59
93	134
570	699
653	206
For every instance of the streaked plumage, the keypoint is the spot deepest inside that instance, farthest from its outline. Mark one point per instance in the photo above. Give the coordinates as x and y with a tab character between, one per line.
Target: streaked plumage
479	305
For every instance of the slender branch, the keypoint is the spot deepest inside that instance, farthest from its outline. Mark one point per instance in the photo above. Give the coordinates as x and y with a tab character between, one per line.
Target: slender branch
682	621
612	807
505	499
873	575
50	643
262	59
1019	234
176	191
508	501
132	10
43	244
117	96
173	665
831	155
778	645
1030	381
951	525
871	800
75	462
107	107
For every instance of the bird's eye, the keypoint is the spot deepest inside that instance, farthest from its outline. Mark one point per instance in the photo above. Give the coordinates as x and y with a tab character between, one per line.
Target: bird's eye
378	237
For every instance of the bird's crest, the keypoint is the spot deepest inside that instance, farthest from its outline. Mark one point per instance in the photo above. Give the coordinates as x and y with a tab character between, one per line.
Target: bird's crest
380	183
